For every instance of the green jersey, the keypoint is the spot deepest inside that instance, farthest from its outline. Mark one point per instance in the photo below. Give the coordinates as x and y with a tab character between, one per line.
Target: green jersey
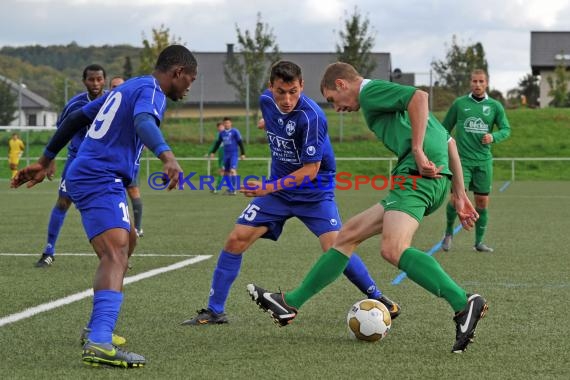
384	105
473	120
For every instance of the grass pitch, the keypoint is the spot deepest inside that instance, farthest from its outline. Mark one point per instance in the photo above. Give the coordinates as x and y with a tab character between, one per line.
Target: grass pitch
525	281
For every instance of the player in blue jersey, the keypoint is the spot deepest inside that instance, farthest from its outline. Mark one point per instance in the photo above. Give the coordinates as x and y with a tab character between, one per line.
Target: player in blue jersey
133	189
122	122
94	82
231	140
301	150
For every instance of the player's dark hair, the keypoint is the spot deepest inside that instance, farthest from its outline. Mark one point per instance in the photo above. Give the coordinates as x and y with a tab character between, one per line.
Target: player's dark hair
94	67
287	71
176	55
227	118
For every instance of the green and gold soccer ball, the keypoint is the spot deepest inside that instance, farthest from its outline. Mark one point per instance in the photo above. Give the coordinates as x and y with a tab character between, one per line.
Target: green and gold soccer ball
368	320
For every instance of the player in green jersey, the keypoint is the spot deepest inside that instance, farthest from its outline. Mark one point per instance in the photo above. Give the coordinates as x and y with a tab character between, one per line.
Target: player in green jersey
473	117
398	115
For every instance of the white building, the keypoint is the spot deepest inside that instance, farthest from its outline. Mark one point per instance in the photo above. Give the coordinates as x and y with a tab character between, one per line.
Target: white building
31	109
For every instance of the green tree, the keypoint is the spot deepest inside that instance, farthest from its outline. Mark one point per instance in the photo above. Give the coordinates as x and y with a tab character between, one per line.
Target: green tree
7	103
356	43
127	68
559	86
529	87
455	71
63	90
251	61
152	47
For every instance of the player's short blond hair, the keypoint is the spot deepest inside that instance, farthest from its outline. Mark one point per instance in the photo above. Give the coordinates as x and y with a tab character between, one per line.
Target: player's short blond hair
338	70
480	72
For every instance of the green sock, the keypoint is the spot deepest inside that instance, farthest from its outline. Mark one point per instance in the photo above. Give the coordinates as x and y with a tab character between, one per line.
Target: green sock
451	214
328	268
425	271
481	225
218	182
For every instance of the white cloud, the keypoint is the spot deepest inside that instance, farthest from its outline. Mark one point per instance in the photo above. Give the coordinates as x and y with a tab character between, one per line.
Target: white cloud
541	13
321	12
414	31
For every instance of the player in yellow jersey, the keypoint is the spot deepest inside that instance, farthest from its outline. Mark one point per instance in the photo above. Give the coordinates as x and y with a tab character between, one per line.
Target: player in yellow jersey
17	147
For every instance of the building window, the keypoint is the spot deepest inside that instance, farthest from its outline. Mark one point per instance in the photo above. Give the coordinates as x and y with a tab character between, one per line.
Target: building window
32	119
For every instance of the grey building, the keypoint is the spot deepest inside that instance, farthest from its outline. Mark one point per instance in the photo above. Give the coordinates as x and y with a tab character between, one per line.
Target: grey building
212	89
547	50
31	109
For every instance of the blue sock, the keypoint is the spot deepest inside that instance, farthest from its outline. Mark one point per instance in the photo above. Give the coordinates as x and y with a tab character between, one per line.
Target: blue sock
106	307
224	276
54	226
358	274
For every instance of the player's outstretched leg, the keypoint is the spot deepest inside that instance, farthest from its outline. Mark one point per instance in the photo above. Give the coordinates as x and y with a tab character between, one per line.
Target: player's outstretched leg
273	303
226	271
466	321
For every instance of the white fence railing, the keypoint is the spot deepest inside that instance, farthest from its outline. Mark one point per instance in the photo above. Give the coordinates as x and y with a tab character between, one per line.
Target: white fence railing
390	160
145	161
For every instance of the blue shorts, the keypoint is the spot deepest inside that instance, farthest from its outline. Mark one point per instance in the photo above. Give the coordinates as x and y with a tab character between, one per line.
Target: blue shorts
102	204
230	162
272	212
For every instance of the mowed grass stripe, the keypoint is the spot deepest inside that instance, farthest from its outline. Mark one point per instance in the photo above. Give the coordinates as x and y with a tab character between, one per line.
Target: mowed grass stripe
30	312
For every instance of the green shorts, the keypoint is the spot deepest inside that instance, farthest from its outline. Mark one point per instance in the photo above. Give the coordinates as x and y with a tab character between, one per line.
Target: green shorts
478	177
419	197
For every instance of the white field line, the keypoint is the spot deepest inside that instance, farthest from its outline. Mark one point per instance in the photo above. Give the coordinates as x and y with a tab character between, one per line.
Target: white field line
88	293
93	254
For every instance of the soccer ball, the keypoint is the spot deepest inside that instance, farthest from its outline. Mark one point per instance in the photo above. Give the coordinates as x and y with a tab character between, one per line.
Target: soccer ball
368	320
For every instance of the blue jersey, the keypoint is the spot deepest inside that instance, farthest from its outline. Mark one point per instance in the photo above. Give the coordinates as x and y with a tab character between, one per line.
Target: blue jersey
297	138
75	103
112	148
230	139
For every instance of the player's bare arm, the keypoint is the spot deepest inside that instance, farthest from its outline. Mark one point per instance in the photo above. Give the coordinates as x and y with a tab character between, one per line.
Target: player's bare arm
171	167
418	112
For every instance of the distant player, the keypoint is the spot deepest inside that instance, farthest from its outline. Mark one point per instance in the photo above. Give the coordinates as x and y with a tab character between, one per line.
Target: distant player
94	82
297	134
473	116
231	139
15	149
123	121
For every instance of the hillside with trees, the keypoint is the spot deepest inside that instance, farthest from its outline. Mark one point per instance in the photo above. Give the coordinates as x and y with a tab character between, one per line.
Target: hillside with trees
48	70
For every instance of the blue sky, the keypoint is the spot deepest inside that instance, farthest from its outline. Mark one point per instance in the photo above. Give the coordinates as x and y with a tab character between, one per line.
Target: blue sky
415	32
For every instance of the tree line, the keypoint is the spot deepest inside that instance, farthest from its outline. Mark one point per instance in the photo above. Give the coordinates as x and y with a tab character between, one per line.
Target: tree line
55	71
